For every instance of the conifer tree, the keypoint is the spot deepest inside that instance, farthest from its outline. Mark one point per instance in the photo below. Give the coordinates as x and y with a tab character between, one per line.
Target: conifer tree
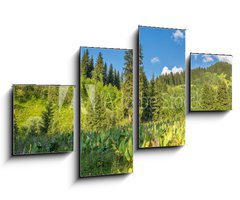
47	117
90	68
128	84
85	63
143	89
117	81
100	115
99	69
105	78
115	77
110	75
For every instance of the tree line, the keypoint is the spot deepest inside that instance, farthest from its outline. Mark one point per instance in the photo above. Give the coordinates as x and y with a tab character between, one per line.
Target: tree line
211	88
151	91
99	71
39	125
113	92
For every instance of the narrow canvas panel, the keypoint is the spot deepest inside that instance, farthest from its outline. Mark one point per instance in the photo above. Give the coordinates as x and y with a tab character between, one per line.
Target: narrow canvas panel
161	87
106	95
211	82
43	119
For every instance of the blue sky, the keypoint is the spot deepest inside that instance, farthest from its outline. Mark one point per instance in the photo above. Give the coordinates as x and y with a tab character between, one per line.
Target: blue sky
114	56
163	49
206	60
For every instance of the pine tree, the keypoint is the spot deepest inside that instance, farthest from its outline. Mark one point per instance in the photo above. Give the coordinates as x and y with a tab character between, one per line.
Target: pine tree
143	90
110	75
117	81
90	68
115	77
100	115
105	81
99	69
47	117
128	84
85	63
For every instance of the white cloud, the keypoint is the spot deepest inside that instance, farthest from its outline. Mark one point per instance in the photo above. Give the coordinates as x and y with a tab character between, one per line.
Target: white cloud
174	70
155	60
178	35
207	58
177	70
165	71
227	59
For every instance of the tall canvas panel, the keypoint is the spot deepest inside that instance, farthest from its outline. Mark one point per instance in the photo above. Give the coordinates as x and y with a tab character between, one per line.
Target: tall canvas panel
43	119
211	82
106	96
161	87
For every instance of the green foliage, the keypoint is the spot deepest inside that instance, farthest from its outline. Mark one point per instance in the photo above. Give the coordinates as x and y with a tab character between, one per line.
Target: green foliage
108	152
162	109
211	88
106	131
128	84
110	75
98	71
41	124
47	117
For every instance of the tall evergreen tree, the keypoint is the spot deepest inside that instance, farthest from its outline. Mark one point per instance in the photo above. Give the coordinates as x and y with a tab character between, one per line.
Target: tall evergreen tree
47	117
105	74
115	77
100	115
85	63
110	75
117	81
128	84
99	68
90	68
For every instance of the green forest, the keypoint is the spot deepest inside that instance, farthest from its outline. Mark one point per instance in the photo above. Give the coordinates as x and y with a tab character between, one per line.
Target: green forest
161	109
106	143
211	88
43	119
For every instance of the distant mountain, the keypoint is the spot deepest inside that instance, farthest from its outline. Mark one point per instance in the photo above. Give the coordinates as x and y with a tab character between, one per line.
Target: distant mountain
218	68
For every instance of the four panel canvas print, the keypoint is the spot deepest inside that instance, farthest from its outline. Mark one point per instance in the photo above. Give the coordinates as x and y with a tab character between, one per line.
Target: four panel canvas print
43	115
106	92
42	119
211	82
161	87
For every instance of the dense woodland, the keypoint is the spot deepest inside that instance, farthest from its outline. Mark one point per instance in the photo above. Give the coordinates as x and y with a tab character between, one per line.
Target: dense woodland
162	108
43	119
106	116
211	88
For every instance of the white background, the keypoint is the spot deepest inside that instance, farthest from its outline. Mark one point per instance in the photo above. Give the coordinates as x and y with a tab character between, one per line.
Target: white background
39	43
